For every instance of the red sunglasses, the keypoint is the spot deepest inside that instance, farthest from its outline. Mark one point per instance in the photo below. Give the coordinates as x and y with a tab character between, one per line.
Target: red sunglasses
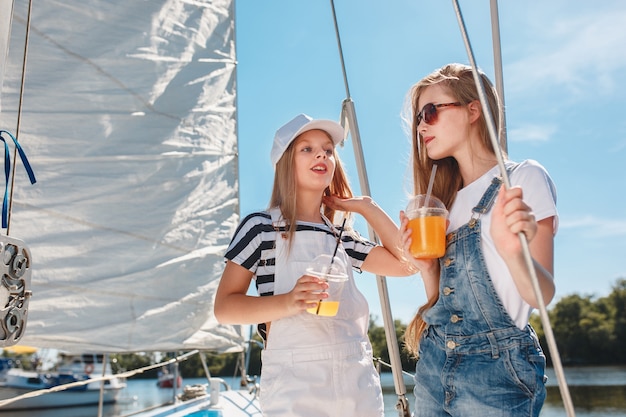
429	112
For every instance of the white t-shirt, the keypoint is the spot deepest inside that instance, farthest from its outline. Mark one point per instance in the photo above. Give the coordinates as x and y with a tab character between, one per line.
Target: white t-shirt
540	195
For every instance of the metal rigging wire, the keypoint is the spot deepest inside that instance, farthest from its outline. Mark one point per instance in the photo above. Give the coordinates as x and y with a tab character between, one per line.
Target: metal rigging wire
497	65
545	320
19	110
348	120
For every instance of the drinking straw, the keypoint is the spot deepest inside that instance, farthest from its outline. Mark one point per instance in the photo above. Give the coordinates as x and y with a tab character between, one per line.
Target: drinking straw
430	184
338	240
343	225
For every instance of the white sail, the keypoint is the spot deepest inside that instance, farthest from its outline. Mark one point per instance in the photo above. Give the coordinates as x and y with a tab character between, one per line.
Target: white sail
6	8
129	123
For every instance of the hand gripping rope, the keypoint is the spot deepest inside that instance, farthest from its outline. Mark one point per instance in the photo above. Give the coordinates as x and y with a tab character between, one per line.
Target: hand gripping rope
545	320
348	119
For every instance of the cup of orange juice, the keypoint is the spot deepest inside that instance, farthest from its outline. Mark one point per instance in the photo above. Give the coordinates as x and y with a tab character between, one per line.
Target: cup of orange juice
333	271
427	220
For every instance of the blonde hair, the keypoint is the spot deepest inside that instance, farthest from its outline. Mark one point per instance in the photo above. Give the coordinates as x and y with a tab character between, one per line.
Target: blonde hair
458	80
285	189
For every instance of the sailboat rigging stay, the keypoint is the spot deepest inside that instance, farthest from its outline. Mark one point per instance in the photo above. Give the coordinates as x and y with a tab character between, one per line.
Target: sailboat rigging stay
132	130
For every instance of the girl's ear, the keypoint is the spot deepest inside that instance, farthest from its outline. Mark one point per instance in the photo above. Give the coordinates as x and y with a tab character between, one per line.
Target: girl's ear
475	110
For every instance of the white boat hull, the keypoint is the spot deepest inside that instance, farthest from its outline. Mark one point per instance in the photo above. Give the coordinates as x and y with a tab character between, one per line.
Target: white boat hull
57	399
72	385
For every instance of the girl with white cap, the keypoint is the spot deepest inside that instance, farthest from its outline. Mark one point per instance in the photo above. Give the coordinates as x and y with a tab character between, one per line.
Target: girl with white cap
312	365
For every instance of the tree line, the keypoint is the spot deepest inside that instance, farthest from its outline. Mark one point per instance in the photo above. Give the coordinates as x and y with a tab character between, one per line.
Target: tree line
587	330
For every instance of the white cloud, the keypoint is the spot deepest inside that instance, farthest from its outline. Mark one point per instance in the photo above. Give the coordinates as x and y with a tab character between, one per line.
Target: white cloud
531	133
575	51
594	226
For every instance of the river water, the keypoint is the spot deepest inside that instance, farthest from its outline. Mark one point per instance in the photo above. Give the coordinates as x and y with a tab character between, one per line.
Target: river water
595	391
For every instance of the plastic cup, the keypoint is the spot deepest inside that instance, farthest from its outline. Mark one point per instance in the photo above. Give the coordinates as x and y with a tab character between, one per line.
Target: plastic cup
427	220
336	276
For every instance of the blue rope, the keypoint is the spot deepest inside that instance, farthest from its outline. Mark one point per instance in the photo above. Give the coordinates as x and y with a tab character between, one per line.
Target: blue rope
7	171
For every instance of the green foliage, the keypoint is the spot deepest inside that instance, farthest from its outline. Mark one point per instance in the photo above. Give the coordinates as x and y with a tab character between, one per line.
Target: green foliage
588	331
121	362
218	365
378	340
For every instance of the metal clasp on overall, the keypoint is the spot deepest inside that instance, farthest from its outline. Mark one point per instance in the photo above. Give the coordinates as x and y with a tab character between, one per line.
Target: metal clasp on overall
474	219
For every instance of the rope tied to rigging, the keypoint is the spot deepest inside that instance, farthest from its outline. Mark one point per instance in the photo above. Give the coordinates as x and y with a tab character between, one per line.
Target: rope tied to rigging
7	172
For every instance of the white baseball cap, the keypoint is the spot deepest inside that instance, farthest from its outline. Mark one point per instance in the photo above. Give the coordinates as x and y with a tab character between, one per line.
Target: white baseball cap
298	125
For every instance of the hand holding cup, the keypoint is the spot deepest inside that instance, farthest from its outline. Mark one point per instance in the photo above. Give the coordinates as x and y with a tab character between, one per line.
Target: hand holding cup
427	219
334	272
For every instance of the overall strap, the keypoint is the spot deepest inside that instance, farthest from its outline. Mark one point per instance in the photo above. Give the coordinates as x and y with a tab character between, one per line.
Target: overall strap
486	201
268	258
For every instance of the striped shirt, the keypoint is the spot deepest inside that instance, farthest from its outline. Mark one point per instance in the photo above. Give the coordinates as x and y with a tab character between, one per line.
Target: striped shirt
253	247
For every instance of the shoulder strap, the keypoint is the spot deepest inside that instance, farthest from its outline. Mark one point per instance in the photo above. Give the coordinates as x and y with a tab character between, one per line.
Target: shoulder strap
266	259
487	199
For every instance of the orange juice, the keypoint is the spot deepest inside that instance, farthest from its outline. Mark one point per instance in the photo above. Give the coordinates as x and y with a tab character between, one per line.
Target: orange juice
326	308
334	272
428	237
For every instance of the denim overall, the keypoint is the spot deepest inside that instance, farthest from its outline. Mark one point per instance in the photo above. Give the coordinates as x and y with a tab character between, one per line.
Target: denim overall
473	359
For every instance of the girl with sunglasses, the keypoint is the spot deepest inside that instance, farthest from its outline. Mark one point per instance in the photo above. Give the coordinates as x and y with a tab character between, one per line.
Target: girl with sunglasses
477	354
313	366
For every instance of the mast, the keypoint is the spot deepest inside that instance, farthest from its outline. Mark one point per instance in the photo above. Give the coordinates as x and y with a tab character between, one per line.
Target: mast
497	64
349	121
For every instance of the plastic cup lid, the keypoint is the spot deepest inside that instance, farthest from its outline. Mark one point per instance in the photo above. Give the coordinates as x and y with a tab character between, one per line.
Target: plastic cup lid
323	266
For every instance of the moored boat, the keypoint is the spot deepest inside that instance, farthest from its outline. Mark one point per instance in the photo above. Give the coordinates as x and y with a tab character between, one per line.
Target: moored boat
77	370
166	379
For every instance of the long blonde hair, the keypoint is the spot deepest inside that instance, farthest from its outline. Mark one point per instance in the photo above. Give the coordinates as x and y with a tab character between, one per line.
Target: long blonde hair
458	80
284	190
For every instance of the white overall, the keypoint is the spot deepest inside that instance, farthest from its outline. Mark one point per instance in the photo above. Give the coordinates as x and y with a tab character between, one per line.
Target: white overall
316	366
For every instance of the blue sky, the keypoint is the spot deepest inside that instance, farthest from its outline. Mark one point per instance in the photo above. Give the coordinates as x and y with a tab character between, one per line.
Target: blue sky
564	68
